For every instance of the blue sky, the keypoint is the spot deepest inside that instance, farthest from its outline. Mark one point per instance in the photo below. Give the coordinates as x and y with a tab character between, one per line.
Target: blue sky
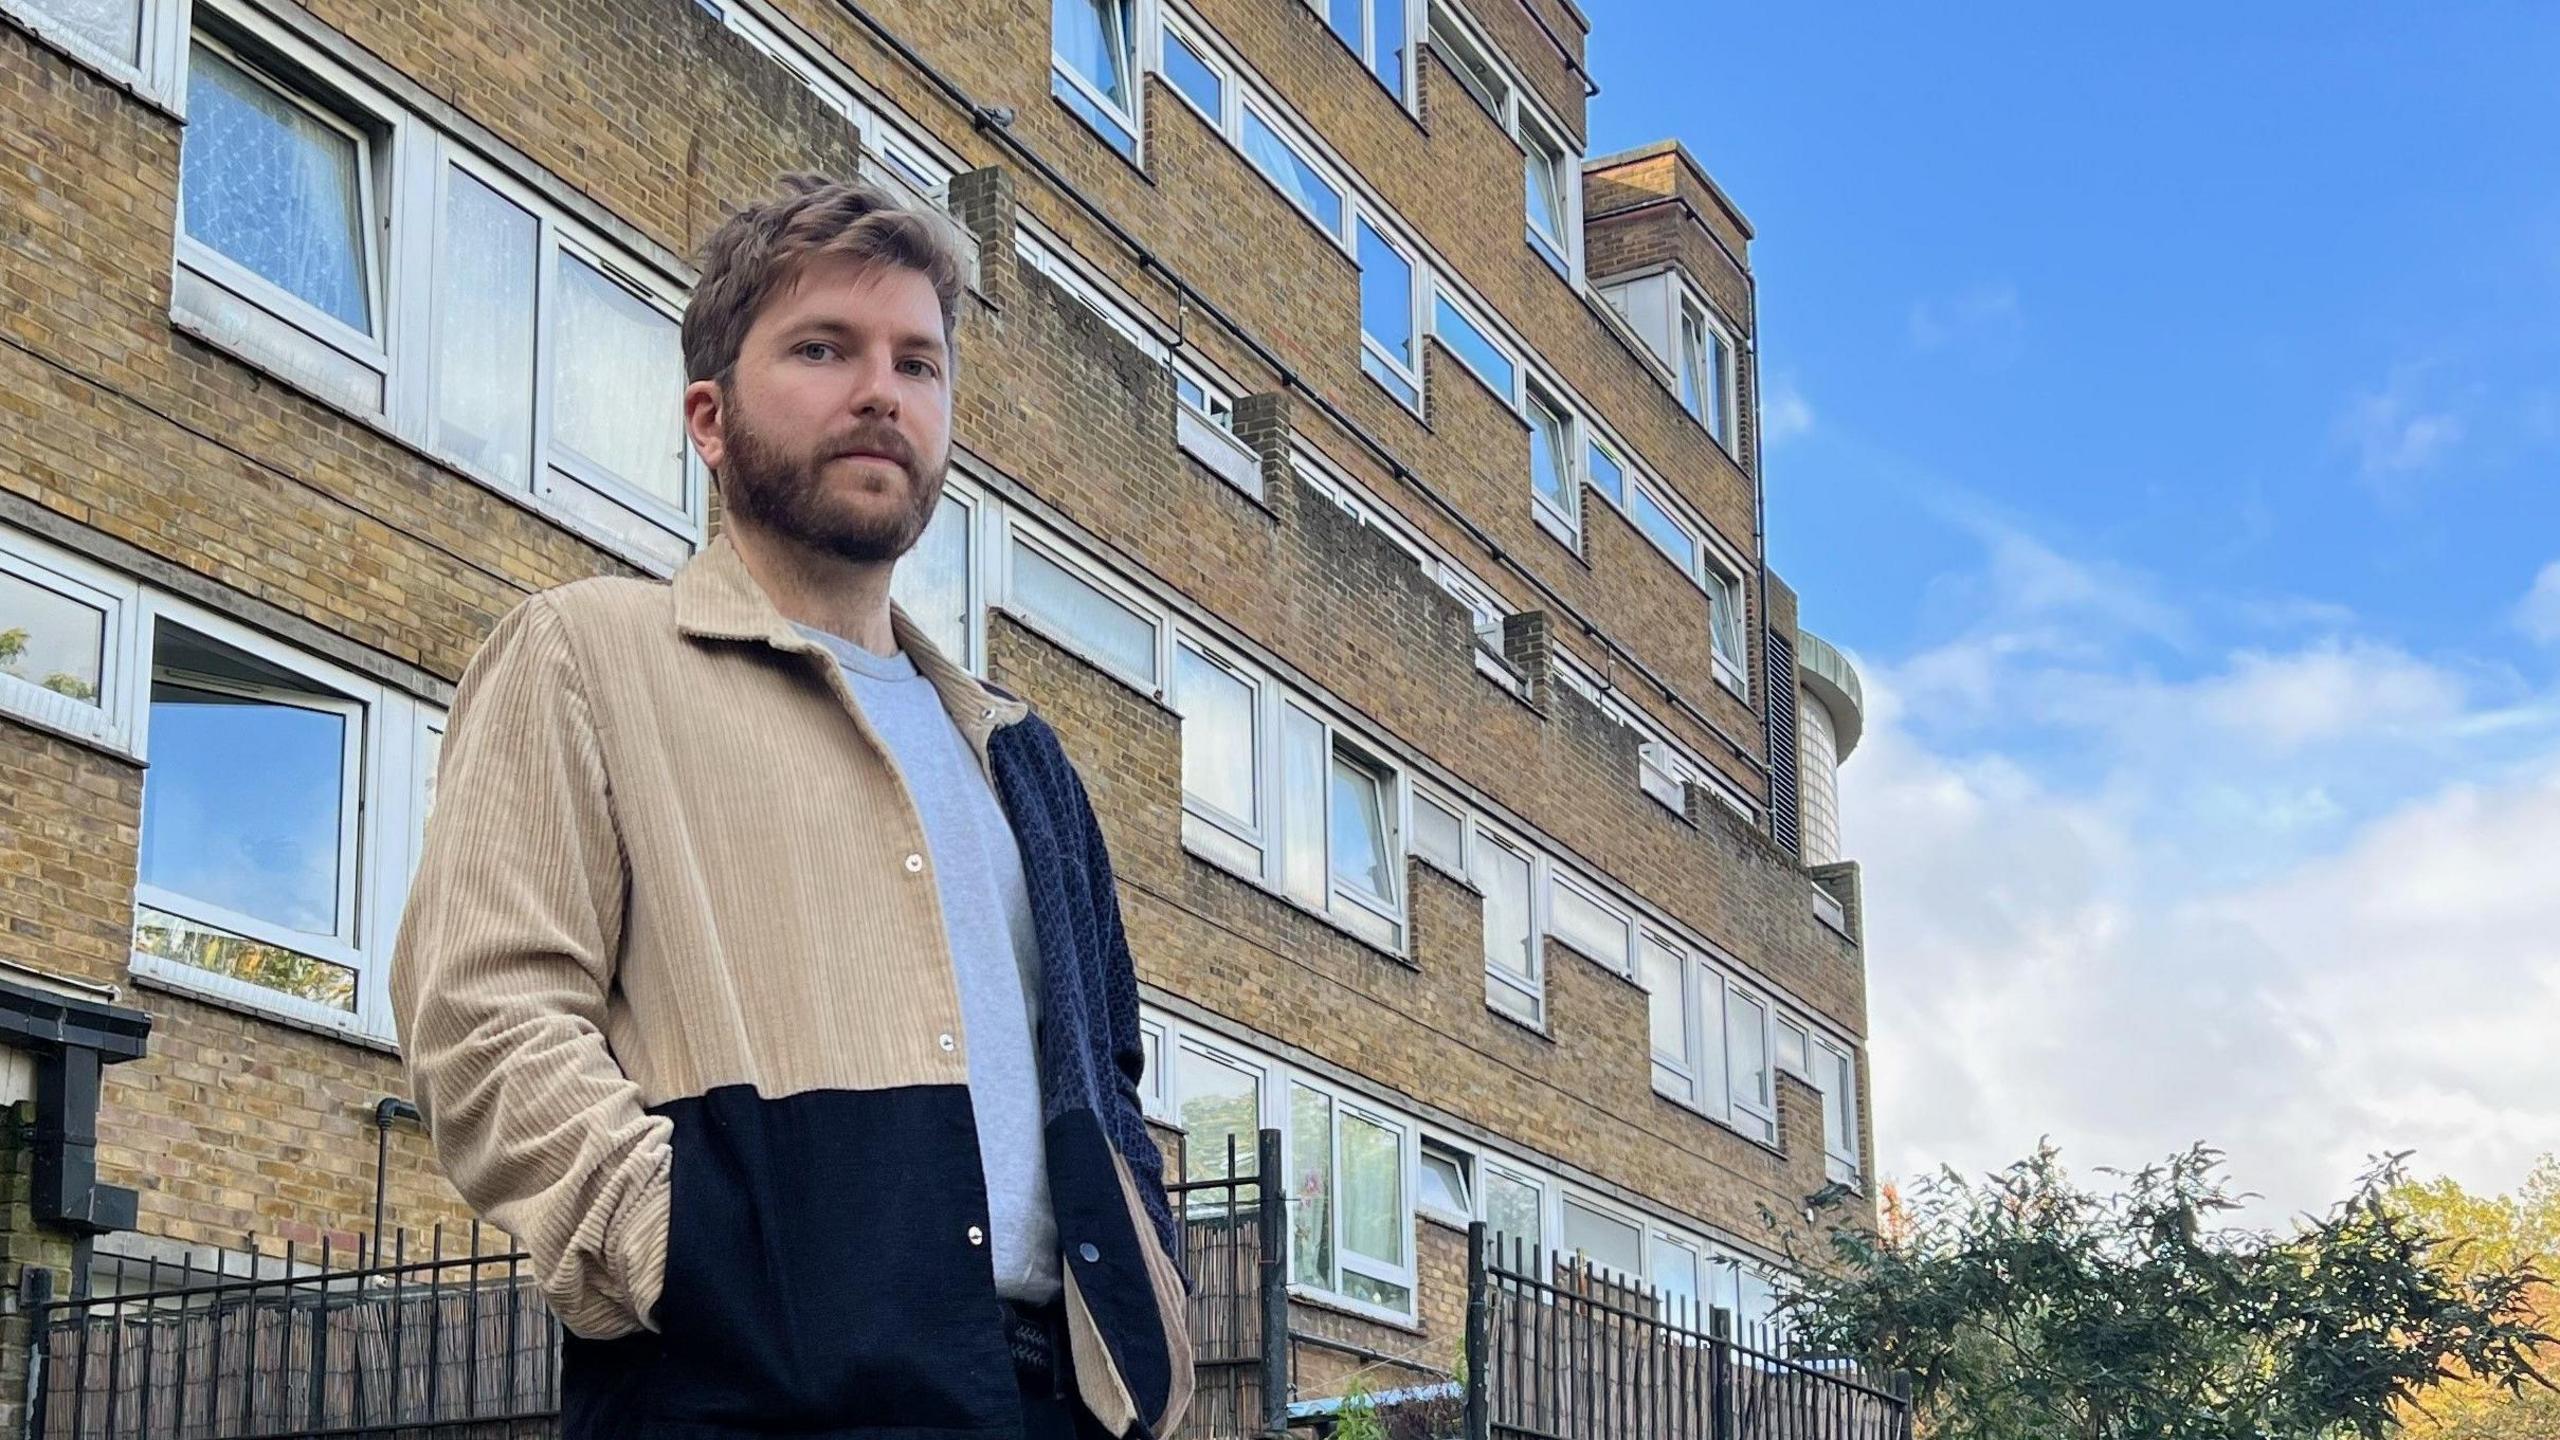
2164	410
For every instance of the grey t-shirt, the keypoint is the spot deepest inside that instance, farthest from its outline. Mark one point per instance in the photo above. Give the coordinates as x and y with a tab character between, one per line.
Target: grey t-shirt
995	956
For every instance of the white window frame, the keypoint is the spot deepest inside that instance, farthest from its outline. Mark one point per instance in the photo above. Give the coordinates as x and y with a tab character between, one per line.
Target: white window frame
1518	112
1408	1162
1719	391
1650	493
1528	1178
1154	1086
1574	1197
1461	1160
1241	842
1561	882
1540	147
1442	294
1747	1113
1272	118
1366	47
108	722
1020	533
1563	520
159	44
1133	56
1840	1152
1533	986
1217	1050
1399	373
1728	626
1230	90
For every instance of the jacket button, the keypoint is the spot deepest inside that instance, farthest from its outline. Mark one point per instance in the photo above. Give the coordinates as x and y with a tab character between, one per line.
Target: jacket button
977	1236
915	863
1088	1253
946	1042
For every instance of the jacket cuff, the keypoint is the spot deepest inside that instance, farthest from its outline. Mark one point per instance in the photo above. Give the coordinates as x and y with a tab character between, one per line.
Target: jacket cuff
644	1245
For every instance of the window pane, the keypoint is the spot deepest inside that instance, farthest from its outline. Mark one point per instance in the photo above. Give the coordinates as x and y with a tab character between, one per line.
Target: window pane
1386	43
1717	381
1373	1210
1708	999
1360	848
1296	178
1472	346
1838	1078
1724	619
1444	1184
274	187
1548	474
1604	1239
1191	74
1511	1214
1386	295
433	741
1691	361
1792	1049
1474	70
1503	875
1217	734
1675	1276
1546	194
484	331
617	382
172	937
1666	979
1103	121
931	582
1747	1049
1118	634
1588	927
1377	1292
1310	1187
1302	802
1344	17
1219	1103
1439	834
1667	534
114	26
1092	39
242	805
1606	476
51	640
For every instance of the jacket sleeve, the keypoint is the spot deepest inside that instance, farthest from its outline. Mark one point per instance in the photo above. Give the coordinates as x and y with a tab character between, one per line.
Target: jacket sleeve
506	953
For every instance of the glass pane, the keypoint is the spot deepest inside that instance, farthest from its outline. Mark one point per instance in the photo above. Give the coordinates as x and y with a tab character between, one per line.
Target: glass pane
1219	1103
1690	361
1547	465
1218	752
1511	1213
1747	1049
1302	805
1719	365
1377	1292
1724	618
1444	1185
242	805
1588	927
1546	196
1386	43
1118	634
1604	1239
432	742
1503	875
1373	1210
931	582
1667	534
1675	1276
1606	476
1395	384
1310	1187
1092	38
1439	834
1152	1082
1103	121
1708	1000
484	331
1296	178
114	26
1386	295
1344	17
172	937
1666	980
1792	1050
1472	346
51	640
275	187
617	382
1838	1079
1360	849
1191	75
1474	70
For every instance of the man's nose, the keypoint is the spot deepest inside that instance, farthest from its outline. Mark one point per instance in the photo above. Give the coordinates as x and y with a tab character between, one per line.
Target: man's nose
873	396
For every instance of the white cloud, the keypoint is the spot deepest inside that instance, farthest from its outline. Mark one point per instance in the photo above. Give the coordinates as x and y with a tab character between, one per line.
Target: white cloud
2327	692
1987	320
1784	412
2394	435
2538	613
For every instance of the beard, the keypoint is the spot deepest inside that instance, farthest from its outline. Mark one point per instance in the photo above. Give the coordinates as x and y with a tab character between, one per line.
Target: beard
784	492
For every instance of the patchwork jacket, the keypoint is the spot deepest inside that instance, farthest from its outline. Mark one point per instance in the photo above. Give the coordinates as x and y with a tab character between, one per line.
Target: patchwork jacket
675	999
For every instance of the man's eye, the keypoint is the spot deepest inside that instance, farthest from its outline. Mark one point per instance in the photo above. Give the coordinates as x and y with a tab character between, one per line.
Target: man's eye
815	350
921	368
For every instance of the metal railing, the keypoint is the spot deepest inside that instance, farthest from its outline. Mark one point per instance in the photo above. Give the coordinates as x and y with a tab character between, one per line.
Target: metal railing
1234	1248
1581	1356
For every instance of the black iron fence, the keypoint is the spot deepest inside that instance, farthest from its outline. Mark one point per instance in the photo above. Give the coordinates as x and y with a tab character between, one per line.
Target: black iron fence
1576	1355
1234	1244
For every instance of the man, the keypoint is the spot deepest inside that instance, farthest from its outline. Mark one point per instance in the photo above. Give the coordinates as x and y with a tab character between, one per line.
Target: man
764	970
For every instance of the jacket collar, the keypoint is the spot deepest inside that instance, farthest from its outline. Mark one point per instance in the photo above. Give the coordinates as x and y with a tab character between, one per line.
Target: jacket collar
717	598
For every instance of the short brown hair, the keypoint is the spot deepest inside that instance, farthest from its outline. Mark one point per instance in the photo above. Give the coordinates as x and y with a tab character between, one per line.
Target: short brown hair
758	252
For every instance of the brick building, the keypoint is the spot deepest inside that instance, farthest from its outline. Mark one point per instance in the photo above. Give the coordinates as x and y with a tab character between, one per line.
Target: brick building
1362	477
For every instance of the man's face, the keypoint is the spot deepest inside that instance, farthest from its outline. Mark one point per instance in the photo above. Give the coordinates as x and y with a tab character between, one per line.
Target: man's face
835	428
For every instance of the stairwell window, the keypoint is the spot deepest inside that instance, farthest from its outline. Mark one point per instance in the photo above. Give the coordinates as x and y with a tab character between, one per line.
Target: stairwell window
1094	67
1707	373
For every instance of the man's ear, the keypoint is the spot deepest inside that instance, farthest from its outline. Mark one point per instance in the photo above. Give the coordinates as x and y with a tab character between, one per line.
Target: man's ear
705	422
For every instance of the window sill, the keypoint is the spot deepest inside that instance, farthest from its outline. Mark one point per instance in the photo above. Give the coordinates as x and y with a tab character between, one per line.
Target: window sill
1225	456
1307	1295
47	34
550	514
1564	532
1412	407
173	982
1528	1026
1128	157
1302	908
113	746
1690	1108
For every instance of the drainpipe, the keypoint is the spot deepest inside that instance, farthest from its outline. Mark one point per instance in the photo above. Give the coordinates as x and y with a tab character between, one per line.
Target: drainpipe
388	1109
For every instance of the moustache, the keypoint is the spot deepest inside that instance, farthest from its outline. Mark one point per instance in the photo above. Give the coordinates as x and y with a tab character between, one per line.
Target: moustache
879	440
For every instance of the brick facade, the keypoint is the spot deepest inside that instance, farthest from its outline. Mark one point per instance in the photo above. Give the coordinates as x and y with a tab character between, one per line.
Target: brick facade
140	450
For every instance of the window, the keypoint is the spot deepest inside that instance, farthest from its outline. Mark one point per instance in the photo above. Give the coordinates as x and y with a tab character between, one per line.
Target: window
1660	774
1606	474
1836	1074
279	208
1667	534
1445	1190
1795	1051
1747	1058
1550	205
121	37
1084	614
1586	924
1666	981
1514	1216
62	637
484	331
935	582
1093	67
1673	1267
1388	320
1725	623
1514	981
1374	29
1474	67
1692	1038
612	406
1439	834
1362	855
1551	479
1195	77
1220	1110
1221	756
1350	1230
1466	340
1151	1085
1605	1240
1706	374
1290	171
1211	406
1334	805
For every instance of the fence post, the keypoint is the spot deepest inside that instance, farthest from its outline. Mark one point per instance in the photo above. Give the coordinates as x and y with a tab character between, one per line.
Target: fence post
1479	1336
1273	1272
1720	1417
35	1300
1900	1385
